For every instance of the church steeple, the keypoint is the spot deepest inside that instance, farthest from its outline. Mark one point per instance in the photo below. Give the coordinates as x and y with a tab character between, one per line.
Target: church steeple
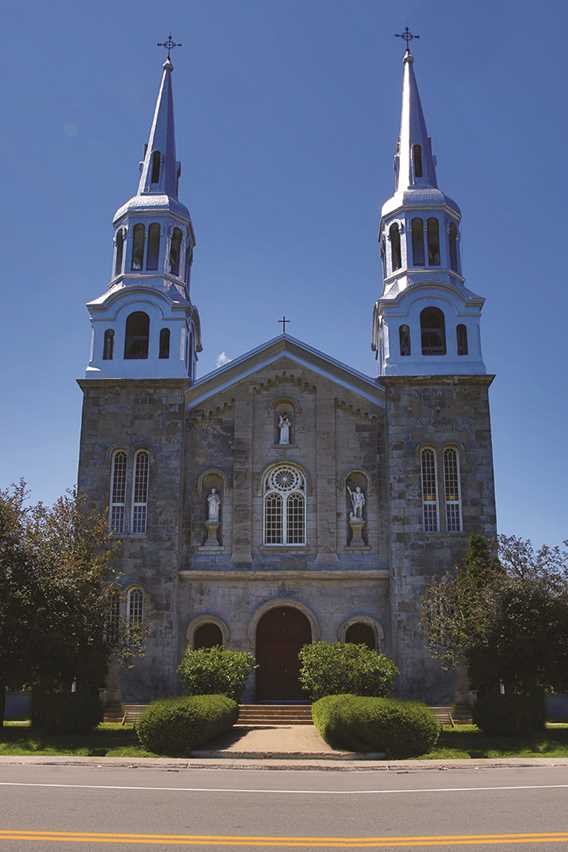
414	164
160	170
145	324
426	321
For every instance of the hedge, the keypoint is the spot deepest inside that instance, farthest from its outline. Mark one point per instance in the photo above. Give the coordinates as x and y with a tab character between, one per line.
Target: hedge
392	726
215	671
66	712
344	667
509	714
176	726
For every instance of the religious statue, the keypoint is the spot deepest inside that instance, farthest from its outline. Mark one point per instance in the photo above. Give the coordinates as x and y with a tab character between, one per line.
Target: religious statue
357	502
284	429
214	504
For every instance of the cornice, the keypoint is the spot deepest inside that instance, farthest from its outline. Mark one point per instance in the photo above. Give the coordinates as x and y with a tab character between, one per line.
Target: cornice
313	575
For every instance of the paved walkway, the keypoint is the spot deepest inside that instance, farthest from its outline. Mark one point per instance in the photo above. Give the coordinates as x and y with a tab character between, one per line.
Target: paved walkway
285	741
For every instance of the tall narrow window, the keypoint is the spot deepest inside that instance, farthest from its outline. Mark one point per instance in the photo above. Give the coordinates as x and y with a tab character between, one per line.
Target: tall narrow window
135	609
418	242
153	247
140	492
433	230
396	257
113	617
404	339
137	335
453	237
108	345
138	248
429	490
155	167
118	492
119	251
175	251
188	262
433	332
165	343
417	158
461	334
452	491
285	506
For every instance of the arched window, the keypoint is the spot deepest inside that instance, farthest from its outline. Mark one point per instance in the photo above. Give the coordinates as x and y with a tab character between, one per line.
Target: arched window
113	617
417	158
396	257
137	248
175	251
433	229
404	339
188	261
361	633
153	247
207	636
140	492
155	167
433	331
418	242
137	335
117	492
164	343
429	490
461	335
108	345
135	609
119	251
285	506
452	490
453	237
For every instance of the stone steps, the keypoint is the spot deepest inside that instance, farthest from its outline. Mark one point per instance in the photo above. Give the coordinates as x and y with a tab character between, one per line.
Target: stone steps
275	714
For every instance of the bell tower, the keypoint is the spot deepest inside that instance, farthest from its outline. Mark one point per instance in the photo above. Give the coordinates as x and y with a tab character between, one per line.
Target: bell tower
426	322
144	325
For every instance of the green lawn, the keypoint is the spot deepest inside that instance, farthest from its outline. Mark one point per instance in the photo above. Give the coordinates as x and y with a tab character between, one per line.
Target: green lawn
116	740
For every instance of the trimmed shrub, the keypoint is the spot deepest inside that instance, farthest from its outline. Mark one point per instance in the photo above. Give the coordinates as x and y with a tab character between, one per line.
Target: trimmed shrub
335	668
215	671
176	726
510	715
66	712
359	723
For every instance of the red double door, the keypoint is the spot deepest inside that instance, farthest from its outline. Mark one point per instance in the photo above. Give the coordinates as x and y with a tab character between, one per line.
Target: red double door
280	635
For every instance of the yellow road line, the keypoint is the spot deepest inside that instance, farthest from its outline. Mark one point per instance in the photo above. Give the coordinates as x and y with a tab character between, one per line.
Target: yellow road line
283	842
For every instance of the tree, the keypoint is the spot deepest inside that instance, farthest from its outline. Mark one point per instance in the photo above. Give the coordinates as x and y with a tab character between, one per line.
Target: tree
56	575
504	615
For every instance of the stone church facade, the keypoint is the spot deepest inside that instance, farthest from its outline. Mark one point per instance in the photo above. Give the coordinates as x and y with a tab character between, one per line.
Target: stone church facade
286	497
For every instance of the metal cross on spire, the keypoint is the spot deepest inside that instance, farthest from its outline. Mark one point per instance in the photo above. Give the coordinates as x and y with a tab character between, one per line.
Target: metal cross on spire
169	44
407	36
284	322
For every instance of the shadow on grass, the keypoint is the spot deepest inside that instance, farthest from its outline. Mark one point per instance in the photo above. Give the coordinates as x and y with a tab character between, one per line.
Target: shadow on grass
467	741
106	740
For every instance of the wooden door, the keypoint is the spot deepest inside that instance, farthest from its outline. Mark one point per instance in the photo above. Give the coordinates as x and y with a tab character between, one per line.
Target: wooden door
280	635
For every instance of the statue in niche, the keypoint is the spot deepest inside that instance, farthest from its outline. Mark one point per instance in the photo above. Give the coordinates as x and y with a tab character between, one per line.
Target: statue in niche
284	427
214	505
358	501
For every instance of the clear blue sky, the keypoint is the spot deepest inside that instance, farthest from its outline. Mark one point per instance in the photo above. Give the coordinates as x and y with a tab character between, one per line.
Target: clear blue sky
287	112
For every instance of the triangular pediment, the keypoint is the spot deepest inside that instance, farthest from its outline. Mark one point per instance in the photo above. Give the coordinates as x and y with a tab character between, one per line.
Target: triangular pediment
285	351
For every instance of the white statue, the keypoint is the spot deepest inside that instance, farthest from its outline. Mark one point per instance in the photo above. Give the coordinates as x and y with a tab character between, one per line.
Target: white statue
214	504
357	501
284	428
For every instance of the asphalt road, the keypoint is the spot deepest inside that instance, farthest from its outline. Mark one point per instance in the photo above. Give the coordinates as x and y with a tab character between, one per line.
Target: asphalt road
80	808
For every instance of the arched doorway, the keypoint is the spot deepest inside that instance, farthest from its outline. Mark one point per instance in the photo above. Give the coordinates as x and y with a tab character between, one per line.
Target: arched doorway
280	634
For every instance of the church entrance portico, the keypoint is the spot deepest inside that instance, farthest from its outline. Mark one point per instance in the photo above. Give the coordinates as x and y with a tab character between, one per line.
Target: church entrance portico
280	634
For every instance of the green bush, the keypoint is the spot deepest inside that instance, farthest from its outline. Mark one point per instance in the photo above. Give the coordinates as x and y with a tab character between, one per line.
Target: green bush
510	715
66	712
176	726
342	667
210	671
392	726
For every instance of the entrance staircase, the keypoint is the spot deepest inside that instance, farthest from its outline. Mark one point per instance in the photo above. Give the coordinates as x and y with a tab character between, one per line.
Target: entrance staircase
275	714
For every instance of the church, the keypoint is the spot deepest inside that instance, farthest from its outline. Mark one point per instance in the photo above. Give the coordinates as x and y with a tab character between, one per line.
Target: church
285	497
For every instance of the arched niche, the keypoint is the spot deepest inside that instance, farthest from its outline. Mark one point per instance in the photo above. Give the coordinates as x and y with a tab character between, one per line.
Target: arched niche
286	409
201	621
210	482
369	622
